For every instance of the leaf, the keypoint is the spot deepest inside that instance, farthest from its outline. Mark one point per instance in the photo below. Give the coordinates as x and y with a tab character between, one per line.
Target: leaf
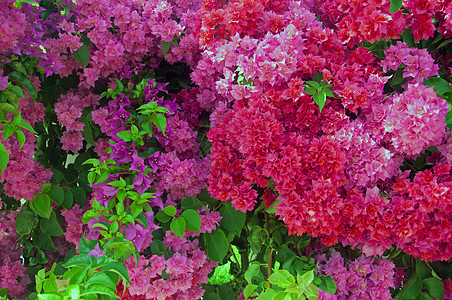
25	82
101	278
119	85
254	271
158	247
320	100
233	220
411	288
192	219
435	287
78	260
178	226
82	55
118	268
328	285
25	222
170	210
4	158
249	290
165	47
43	241
191	202
397	78
79	195
51	226
56	194
68	199
395	6
445	43
440	86
88	134
162	217
281	295
8	108
159	120
125	135
217	245
41	205
99	289
50	297
282	278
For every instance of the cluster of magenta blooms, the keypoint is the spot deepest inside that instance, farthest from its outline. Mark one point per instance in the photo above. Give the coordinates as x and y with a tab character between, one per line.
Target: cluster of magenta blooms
337	177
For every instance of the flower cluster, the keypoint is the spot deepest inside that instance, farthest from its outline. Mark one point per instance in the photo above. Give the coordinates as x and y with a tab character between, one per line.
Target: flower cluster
362	278
418	62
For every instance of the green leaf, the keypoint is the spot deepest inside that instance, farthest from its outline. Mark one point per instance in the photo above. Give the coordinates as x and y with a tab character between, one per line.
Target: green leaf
24	81
119	85
159	120
170	210
281	295
445	43
435	287
68	199
395	6
254	274
4	158
320	100
41	205
192	220
282	278
165	47
6	107
440	86
397	78
82	55
158	247
79	195
26	221
43	241
88	134
328	285
249	290
217	245
50	297
233	220
411	288
191	202
178	226
51	226
56	194
118	268
125	135
78	260
99	289
73	291
162	217
101	278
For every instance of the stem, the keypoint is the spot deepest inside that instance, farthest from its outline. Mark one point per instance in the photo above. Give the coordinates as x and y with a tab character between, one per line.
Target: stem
235	257
296	245
270	250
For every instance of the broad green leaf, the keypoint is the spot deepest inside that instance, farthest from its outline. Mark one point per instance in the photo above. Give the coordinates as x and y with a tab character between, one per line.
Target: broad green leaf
100	278
165	47
4	158
159	120
395	6
249	290
217	245
6	107
73	291
192	219
267	295
170	210
411	288
51	226
118	268
79	195
26	221
397	78
232	220
328	285
125	135
82	55
79	260
178	226
191	202
282	295
24	81
119	85
320	100
440	86
162	217
158	247
282	278
99	289
88	134
254	271
56	194
8	131
435	287
68	199
50	297
43	241
41	205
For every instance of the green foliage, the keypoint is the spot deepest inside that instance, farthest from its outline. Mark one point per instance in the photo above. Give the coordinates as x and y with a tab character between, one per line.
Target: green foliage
319	90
